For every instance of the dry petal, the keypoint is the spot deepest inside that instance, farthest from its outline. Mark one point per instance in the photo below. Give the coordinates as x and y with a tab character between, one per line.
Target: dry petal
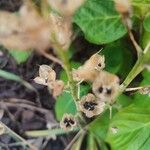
56	87
90	70
66	7
90	105
40	80
68	122
106	86
47	73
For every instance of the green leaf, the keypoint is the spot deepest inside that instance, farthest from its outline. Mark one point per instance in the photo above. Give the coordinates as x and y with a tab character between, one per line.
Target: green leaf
146	23
99	21
133	126
63	75
64	104
19	55
99	126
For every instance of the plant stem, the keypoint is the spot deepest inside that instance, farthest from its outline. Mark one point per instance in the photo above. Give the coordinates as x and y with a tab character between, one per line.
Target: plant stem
138	68
63	55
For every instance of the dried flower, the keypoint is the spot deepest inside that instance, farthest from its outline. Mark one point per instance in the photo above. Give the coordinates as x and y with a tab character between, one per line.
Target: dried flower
56	87
20	31
68	122
123	6
90	105
61	30
90	70
105	86
66	7
46	75
145	91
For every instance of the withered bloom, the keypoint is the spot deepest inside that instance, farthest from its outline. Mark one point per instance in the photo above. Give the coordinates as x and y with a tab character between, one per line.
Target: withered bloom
61	30
90	105
90	69
106	86
46	75
68	122
56	87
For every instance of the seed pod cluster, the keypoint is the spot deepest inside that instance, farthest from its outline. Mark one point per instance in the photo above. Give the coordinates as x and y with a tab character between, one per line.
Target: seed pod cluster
104	85
47	77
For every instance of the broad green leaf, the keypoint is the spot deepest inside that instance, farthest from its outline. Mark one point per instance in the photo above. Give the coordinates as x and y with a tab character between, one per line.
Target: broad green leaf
133	126
99	126
124	100
116	55
140	7
99	21
64	104
147	23
19	55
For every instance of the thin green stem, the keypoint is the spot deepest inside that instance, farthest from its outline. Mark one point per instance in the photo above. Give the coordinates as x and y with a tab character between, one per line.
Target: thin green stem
63	55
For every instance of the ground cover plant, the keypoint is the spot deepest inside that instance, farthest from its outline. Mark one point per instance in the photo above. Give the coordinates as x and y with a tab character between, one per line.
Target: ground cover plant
75	74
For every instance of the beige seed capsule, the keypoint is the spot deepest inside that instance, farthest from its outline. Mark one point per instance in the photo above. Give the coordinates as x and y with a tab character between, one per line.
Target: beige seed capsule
90	69
56	87
105	86
90	105
46	75
68	122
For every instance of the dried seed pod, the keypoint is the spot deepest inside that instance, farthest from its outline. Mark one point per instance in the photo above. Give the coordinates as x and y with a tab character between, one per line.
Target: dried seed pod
61	30
68	122
56	87
123	7
66	7
46	75
90	70
90	105
145	91
105	86
20	31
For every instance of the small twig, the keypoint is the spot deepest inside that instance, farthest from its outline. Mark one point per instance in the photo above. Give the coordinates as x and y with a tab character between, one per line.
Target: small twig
147	48
52	58
74	139
136	45
18	137
133	89
27	106
110	111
